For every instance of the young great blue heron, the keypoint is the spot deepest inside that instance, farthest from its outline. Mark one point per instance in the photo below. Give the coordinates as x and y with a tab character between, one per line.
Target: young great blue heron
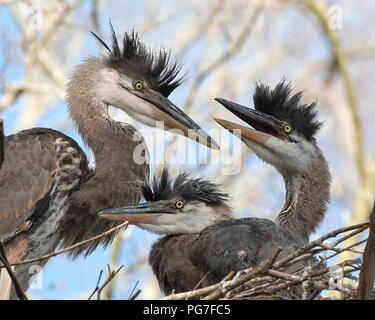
284	136
202	238
48	193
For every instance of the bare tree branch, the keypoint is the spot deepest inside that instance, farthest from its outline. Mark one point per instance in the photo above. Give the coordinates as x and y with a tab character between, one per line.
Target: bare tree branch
135	295
78	244
269	280
110	277
116	247
366	279
321	13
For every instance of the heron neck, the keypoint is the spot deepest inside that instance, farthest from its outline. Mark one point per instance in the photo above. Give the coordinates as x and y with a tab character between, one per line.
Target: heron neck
306	199
109	140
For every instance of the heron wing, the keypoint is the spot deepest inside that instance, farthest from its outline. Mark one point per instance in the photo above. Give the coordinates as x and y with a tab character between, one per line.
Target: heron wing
240	244
26	175
172	266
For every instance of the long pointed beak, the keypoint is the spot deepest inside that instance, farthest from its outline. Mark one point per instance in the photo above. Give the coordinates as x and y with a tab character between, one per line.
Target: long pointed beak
142	213
164	110
265	125
244	132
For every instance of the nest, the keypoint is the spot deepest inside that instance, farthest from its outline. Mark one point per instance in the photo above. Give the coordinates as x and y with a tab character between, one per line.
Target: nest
322	278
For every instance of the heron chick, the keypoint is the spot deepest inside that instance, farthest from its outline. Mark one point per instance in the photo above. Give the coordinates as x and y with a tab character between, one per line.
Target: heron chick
203	240
284	135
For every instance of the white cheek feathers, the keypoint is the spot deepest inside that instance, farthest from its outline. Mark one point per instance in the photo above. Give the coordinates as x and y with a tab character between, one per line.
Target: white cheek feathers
111	93
285	155
193	219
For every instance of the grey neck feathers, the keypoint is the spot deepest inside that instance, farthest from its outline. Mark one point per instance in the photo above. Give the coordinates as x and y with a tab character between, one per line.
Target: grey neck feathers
306	199
102	134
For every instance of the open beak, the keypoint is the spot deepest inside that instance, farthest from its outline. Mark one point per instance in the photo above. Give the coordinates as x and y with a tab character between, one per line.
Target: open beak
265	126
142	213
164	110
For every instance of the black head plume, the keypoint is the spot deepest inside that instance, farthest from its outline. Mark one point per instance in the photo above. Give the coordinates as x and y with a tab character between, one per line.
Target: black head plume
186	188
142	63
279	103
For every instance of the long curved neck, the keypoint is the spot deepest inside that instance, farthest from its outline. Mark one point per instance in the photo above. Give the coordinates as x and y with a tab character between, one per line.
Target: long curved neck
306	199
109	140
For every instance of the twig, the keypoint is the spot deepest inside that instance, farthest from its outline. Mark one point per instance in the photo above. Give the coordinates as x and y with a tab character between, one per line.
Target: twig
3	258
318	242
271	279
193	294
225	287
115	248
276	255
133	296
366	278
53	254
97	285
110	277
198	284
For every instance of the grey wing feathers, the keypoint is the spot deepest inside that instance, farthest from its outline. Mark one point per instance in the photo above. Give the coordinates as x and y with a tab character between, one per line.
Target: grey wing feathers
172	267
240	244
26	175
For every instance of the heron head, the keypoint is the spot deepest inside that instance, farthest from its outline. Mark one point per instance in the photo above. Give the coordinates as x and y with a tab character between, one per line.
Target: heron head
283	129
138	80
186	205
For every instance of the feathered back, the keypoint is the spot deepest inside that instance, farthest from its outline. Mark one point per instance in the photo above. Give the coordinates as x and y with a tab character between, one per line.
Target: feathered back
142	63
280	103
185	188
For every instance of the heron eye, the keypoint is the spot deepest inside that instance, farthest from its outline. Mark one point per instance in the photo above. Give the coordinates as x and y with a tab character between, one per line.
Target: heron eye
179	204
287	128
138	86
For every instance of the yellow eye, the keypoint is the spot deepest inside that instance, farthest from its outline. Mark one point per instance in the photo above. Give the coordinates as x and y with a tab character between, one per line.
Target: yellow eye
287	128
138	86
179	204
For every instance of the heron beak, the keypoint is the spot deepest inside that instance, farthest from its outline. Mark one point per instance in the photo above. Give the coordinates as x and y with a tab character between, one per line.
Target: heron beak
142	213
162	109
265	126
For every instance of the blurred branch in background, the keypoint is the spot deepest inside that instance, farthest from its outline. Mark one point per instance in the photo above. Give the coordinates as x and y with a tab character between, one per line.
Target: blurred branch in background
339	56
231	50
366	169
